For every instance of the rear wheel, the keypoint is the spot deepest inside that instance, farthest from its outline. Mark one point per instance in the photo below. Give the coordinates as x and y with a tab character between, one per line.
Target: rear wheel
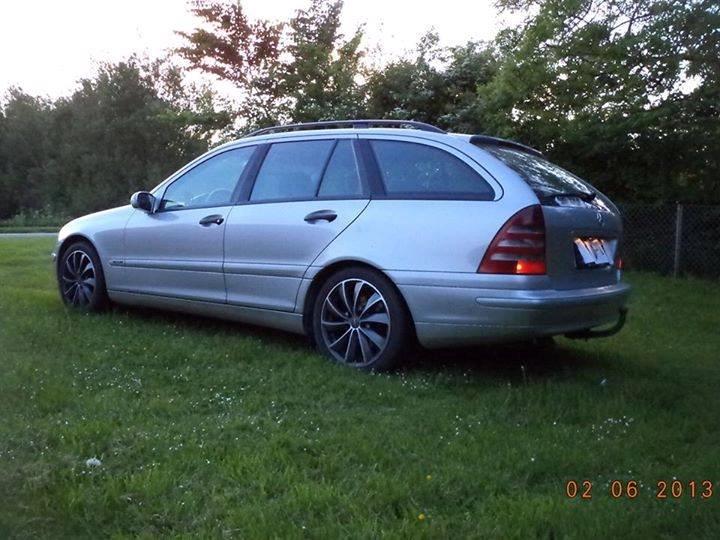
359	319
80	278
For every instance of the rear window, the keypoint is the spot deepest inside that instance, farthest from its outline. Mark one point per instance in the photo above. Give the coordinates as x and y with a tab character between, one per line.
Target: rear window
543	177
422	170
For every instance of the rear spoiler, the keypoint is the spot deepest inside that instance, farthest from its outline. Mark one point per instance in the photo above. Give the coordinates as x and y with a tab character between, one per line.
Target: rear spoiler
487	140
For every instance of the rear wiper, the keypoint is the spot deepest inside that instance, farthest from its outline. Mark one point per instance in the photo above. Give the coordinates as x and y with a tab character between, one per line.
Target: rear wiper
582	195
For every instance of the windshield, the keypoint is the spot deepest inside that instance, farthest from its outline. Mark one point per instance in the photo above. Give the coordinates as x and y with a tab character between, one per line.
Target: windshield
545	178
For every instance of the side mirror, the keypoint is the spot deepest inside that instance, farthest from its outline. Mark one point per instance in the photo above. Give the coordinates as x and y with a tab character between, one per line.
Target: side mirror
143	200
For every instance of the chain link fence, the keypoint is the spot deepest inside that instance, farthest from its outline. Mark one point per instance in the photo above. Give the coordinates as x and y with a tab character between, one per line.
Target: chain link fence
674	239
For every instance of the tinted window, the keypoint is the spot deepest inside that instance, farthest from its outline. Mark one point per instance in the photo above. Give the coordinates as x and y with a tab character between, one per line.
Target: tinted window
211	183
419	169
342	177
291	170
543	177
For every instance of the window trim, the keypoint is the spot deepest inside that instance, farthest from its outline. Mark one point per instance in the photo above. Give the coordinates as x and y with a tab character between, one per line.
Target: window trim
185	171
374	166
249	181
370	177
325	168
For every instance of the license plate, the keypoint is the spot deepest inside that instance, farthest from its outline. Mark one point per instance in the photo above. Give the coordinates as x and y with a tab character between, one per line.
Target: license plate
593	252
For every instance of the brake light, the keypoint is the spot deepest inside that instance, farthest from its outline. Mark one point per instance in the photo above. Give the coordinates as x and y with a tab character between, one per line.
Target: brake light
618	262
519	246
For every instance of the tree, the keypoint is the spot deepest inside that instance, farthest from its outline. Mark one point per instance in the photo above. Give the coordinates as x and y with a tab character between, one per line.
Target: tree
245	53
112	136
624	91
471	67
205	113
320	77
439	85
24	150
411	88
296	71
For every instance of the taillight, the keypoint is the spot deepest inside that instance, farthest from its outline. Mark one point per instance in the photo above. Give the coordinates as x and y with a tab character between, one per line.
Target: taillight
519	247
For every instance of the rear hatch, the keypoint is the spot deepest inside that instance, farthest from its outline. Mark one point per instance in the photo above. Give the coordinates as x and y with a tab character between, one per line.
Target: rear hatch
583	228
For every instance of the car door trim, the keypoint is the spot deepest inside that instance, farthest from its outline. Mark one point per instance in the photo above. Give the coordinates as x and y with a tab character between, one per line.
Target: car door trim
176	264
265	269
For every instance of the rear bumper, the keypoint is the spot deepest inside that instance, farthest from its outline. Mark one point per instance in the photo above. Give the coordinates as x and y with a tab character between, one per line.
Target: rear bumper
450	316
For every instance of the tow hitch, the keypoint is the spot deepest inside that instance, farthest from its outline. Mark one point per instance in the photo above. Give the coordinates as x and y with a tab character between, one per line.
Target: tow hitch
590	333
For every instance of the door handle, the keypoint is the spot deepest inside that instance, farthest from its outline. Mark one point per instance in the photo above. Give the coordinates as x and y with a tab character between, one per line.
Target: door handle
320	215
215	219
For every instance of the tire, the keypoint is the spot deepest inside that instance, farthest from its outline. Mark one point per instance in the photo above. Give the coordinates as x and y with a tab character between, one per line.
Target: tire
80	277
366	327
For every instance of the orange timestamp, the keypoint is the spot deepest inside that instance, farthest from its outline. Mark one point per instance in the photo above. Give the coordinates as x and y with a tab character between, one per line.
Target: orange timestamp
630	489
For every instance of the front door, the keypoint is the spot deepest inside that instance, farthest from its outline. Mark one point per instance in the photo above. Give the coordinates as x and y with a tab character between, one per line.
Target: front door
177	251
305	194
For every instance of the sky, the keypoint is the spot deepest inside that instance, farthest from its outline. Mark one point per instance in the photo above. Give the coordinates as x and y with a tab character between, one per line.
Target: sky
47	45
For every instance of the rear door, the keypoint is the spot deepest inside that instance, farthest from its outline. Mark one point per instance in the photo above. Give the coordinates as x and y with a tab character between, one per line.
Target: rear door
303	195
583	228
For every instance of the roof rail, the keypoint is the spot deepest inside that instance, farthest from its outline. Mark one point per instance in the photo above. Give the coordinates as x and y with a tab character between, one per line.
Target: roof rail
497	141
330	124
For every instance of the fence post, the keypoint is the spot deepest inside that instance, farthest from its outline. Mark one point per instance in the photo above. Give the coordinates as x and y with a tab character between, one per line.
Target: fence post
678	238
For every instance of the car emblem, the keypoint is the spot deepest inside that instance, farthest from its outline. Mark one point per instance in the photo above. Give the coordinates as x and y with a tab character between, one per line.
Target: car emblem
600	218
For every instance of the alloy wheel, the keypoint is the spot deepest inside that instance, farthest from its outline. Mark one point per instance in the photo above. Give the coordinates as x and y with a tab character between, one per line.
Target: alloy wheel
78	279
355	322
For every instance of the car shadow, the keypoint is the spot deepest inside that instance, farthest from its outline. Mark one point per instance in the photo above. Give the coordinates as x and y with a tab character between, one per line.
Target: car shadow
211	325
512	362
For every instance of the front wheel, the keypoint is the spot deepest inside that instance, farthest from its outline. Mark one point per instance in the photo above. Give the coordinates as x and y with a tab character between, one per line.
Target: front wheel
80	278
359	319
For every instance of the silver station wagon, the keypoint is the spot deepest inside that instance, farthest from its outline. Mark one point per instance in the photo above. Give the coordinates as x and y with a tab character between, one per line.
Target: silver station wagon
365	235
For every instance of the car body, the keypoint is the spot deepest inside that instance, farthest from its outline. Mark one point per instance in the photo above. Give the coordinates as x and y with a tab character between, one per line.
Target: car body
419	208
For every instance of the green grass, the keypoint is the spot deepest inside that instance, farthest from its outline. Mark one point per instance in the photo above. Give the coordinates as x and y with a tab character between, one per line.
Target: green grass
216	429
23	229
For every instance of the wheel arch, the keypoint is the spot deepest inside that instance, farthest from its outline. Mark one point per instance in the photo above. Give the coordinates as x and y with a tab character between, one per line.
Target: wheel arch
322	276
69	241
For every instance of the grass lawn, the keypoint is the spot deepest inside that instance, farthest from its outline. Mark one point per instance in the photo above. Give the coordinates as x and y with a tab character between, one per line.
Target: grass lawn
216	429
23	229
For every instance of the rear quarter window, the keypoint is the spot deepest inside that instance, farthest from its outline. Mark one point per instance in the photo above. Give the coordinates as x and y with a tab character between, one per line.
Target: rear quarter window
417	169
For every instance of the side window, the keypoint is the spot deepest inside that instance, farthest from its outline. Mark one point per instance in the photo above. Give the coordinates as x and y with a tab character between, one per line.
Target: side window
291	170
419	169
342	177
211	183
